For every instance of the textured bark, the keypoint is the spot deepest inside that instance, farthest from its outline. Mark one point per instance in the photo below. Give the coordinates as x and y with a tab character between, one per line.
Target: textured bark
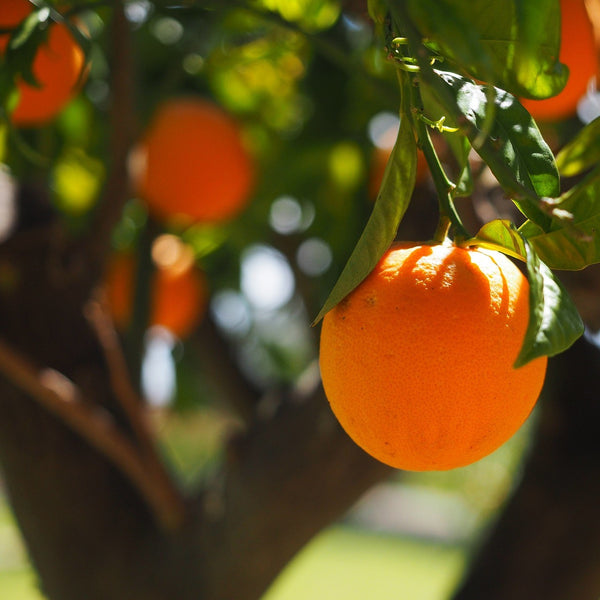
546	543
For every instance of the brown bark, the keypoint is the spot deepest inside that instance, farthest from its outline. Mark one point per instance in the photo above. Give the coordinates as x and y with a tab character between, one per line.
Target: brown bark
546	543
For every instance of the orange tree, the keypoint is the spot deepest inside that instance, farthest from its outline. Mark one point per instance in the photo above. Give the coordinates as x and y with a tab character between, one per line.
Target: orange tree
105	509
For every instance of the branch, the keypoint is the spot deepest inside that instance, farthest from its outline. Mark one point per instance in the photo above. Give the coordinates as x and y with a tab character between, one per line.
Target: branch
62	397
121	119
130	402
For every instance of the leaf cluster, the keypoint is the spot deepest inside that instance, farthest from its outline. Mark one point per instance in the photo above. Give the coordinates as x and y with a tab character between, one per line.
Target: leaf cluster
462	66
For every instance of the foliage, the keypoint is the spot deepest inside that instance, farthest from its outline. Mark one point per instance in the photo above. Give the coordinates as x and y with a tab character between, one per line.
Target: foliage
502	132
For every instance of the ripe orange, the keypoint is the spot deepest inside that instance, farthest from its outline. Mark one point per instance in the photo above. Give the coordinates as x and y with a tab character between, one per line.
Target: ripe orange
191	163
178	289
578	52
57	67
417	362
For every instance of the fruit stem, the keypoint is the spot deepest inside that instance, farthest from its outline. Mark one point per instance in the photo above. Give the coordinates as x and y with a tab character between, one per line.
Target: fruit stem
442	229
449	217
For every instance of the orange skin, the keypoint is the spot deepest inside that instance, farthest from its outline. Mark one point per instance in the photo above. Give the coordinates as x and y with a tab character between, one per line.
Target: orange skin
179	298
191	164
57	67
417	362
578	52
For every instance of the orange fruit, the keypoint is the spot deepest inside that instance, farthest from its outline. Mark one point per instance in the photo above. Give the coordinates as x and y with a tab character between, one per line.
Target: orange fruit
417	362
578	52
57	67
178	289
191	164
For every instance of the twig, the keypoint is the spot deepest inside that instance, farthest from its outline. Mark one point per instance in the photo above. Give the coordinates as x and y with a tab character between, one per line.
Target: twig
62	397
121	123
127	396
117	368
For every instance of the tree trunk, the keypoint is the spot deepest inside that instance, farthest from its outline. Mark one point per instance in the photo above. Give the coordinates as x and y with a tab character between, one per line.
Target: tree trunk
89	532
546	543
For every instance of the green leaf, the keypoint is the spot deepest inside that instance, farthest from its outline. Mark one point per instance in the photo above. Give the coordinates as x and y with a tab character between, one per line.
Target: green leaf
461	148
380	230
582	152
502	235
573	243
449	31
514	150
554	323
513	44
24	43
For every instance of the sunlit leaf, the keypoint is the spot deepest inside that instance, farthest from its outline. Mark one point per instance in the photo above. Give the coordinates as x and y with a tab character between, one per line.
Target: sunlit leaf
448	29
390	206
513	44
575	243
554	323
582	152
515	150
500	234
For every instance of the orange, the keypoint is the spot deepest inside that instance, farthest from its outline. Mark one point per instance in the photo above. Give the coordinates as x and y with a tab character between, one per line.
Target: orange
57	67
178	289
191	164
417	362
578	52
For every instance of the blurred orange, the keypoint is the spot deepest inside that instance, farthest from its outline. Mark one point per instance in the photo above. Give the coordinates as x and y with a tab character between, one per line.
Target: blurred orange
178	288
57	67
191	163
578	51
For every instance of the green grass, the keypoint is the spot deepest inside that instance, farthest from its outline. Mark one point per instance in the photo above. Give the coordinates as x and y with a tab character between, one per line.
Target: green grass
347	564
19	584
341	563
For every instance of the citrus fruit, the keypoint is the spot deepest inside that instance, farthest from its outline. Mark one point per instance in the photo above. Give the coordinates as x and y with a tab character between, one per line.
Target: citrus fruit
178	290
578	52
191	164
57	67
417	362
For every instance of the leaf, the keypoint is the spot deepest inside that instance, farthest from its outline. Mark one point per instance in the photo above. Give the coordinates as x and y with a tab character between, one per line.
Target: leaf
380	230
500	234
515	150
571	244
582	152
461	147
554	323
453	35
24	43
513	44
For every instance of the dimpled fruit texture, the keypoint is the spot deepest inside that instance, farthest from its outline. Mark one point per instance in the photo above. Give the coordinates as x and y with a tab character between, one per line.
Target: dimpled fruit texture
417	362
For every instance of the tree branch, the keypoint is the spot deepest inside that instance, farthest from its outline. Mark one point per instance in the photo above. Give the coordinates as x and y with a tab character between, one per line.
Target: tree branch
116	189
131	403
57	394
